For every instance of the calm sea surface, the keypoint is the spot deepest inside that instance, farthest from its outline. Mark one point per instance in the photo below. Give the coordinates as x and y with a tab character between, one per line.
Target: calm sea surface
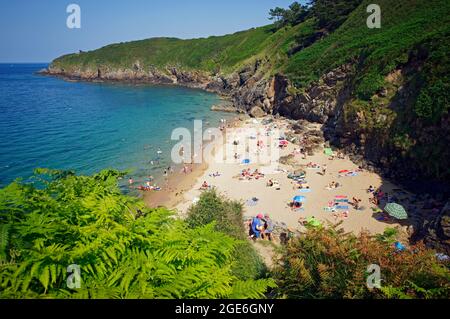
48	122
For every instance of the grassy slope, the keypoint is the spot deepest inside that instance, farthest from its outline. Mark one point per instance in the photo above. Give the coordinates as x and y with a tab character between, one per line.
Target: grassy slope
214	54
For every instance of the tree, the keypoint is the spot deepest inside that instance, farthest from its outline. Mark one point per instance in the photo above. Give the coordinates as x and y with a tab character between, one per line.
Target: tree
297	13
277	14
332	13
292	16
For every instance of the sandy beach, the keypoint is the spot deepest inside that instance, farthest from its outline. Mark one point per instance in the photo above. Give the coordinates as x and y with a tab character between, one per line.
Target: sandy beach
183	190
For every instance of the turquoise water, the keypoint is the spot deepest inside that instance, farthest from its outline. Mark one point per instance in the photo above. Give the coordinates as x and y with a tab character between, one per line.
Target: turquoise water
48	122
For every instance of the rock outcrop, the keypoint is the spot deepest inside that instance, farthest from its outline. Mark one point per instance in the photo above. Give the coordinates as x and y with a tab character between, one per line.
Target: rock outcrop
436	233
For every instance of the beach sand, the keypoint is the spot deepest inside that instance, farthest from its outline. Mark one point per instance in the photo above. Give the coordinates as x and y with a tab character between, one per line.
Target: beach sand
185	189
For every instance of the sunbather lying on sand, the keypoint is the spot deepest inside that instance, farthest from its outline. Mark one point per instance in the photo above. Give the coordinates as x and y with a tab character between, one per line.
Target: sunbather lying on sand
333	185
303	185
312	165
205	186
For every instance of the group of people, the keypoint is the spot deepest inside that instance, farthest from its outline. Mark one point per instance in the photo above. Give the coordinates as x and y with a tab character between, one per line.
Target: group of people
273	183
247	174
378	195
260	227
312	165
146	187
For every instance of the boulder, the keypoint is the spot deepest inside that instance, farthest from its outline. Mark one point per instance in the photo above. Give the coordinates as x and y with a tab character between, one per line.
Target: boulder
256	111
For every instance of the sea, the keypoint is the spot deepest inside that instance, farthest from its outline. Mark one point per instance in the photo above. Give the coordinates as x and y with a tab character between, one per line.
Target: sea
47	122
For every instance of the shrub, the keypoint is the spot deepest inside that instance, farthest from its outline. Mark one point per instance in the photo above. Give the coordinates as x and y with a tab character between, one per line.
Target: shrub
228	219
328	263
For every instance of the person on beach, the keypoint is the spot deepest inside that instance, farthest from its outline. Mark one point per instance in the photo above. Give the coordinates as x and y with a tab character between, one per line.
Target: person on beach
356	202
324	169
257	226
204	186
268	227
130	181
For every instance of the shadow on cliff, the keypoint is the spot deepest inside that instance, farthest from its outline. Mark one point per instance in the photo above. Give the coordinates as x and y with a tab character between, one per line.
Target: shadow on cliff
421	169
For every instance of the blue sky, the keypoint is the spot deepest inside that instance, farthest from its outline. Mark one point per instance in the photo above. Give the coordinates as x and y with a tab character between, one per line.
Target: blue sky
36	31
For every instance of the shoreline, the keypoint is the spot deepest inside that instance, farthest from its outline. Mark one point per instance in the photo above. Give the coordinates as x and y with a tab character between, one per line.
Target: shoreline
178	183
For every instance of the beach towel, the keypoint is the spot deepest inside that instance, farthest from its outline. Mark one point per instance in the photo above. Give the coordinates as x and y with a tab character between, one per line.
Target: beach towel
305	190
341	200
342	207
340	196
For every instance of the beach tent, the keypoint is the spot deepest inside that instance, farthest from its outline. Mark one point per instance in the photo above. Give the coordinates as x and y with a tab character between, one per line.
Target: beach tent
299	199
395	210
328	151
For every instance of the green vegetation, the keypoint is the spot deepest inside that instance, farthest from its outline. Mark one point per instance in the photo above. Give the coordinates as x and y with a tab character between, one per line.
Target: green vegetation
228	219
296	14
328	263
123	249
213	54
375	52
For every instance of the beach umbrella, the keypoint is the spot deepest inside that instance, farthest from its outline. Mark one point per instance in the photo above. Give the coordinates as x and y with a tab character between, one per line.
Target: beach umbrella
328	151
246	161
299	199
395	210
284	142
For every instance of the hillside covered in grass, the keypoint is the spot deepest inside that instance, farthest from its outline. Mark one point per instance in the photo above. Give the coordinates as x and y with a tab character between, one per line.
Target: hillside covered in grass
213	55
